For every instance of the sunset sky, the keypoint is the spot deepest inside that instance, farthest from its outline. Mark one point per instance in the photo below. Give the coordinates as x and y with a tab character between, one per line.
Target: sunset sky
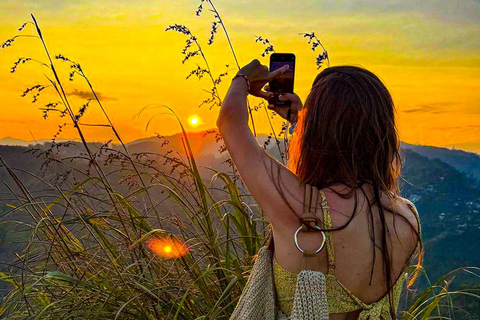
426	52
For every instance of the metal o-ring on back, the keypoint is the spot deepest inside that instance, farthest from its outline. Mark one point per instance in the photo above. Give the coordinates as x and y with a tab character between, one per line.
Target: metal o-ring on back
298	246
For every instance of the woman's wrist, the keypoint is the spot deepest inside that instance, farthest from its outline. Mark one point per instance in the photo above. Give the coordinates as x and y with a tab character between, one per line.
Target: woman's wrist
241	81
232	107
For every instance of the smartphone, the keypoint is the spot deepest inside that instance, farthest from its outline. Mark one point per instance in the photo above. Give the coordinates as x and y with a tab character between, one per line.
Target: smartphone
283	83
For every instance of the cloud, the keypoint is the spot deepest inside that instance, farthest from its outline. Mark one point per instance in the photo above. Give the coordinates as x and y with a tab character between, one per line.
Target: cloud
433	108
457	127
423	109
89	95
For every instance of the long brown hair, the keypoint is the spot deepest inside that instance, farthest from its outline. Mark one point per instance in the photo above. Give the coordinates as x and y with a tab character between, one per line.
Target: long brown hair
346	134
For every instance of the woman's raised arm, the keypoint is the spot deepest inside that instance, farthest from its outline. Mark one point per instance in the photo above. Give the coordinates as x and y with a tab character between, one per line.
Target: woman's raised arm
252	162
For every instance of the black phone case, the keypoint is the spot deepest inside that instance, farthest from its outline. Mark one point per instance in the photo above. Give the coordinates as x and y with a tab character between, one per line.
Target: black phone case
279	57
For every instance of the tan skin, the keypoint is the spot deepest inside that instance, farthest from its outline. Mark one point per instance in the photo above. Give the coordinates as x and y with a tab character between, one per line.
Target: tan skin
353	246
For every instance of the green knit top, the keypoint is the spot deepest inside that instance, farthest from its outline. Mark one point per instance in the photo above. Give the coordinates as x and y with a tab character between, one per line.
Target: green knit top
340	299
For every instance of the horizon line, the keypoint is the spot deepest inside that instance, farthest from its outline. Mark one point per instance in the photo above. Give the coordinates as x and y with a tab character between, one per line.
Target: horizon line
188	132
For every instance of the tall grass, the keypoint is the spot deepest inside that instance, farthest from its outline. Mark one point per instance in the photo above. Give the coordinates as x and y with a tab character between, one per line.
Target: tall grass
88	254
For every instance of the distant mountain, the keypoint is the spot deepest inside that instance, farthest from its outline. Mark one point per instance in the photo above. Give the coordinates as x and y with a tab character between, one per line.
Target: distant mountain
202	143
441	182
464	161
8	141
473	146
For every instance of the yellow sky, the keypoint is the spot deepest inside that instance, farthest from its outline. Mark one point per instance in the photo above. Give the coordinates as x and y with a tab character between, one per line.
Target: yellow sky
427	53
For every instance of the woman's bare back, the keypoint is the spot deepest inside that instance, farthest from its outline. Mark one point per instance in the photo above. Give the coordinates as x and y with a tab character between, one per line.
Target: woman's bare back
353	245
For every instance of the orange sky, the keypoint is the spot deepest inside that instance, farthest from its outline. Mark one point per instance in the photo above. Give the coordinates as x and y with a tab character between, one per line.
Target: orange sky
427	53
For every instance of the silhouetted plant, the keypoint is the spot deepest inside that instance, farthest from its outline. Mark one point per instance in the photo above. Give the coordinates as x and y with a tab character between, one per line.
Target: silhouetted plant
268	45
315	42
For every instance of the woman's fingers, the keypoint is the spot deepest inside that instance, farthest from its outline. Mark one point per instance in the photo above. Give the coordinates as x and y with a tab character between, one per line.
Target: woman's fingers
279	71
273	108
295	106
295	99
263	94
288	97
282	111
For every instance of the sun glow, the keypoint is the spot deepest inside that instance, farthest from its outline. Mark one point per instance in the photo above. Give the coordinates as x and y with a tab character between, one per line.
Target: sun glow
194	121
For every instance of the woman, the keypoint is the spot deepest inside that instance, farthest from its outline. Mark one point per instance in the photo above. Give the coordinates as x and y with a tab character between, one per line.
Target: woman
346	145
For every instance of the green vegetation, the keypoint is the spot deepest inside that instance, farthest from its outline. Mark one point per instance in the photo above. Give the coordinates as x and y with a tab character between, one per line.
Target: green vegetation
86	254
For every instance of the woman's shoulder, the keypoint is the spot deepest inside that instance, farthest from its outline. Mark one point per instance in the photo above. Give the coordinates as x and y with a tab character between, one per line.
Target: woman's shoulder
401	205
411	240
412	213
410	204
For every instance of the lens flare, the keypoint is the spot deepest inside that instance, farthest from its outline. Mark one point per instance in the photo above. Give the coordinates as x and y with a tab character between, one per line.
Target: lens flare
167	247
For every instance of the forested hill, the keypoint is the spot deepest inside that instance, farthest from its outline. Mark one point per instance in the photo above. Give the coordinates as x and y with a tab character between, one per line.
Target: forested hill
446	195
448	202
464	161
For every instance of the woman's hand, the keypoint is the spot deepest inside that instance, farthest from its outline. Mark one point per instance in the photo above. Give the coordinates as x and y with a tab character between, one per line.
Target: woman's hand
295	107
258	75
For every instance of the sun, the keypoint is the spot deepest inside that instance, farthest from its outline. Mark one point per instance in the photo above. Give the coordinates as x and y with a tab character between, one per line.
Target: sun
194	121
